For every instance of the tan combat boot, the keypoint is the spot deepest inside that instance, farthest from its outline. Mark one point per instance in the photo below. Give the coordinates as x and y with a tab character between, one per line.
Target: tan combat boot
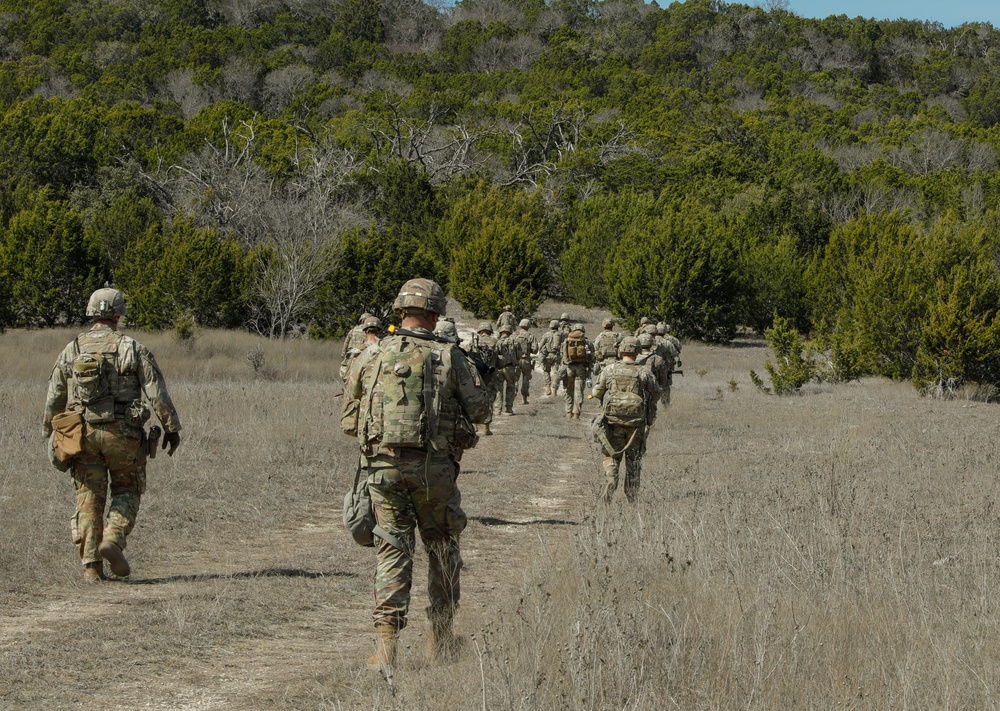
386	641
487	432
93	572
548	391
116	559
442	645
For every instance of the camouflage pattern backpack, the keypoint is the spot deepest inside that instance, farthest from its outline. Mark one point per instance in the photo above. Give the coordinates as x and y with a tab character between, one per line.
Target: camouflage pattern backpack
396	412
576	347
624	403
606	345
94	379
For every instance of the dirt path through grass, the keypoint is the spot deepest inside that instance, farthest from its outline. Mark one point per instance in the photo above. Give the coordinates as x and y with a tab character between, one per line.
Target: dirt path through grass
265	618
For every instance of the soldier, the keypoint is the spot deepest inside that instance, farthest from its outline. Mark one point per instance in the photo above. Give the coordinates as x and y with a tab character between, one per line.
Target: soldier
628	394
663	332
606	345
354	343
548	348
506	319
508	369
106	383
484	345
643	322
564	325
415	399
446	329
527	346
577	360
371	329
650	356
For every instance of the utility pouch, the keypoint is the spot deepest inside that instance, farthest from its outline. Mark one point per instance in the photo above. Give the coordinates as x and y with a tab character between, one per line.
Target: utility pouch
153	441
67	436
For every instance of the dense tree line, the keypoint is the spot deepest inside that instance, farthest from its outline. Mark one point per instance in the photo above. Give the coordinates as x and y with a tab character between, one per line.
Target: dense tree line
274	164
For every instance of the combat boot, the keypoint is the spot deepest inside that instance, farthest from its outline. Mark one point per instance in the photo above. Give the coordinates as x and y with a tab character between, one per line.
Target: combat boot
487	432
442	645
386	641
548	391
525	398
93	572
569	415
116	559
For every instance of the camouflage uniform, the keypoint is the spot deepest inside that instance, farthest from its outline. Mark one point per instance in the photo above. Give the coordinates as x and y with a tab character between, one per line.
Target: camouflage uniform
564	325
354	343
527	346
509	370
548	348
114	440
650	357
506	320
485	345
576	373
617	441
606	346
668	353
415	487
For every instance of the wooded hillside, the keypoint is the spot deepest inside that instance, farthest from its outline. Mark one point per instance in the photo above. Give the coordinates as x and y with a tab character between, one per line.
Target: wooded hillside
266	164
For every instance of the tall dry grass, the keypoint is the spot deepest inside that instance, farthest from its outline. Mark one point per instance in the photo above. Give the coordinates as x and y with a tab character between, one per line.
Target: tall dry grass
837	549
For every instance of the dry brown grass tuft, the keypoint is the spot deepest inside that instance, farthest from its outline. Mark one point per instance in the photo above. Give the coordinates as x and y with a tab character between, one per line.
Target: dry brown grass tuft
835	548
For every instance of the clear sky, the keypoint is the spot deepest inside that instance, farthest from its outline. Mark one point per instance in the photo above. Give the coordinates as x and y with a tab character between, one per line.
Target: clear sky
949	13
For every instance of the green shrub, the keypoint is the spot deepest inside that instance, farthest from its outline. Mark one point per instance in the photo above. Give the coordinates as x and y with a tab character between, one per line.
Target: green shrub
795	362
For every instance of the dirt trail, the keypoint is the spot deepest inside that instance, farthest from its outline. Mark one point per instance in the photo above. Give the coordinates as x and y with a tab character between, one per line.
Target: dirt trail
519	504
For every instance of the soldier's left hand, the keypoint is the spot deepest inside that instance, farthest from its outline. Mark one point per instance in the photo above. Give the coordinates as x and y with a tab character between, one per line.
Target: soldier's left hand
173	439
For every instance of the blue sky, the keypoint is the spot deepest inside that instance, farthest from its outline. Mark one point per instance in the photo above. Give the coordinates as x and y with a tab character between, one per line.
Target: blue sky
948	12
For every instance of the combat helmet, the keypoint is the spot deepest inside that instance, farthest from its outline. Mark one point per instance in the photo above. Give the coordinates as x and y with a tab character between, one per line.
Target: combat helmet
644	320
661	328
364	317
645	340
609	323
505	329
553	324
508	308
106	303
578	327
629	346
372	323
525	323
564	316
650	329
484	326
446	328
420	294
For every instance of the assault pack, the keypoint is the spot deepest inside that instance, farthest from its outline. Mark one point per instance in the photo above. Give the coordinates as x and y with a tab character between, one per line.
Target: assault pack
624	403
94	379
576	347
606	345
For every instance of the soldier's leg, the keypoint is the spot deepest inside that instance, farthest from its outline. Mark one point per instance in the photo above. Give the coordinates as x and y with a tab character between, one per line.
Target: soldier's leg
510	391
568	392
578	388
525	381
127	465
633	469
611	477
441	520
91	483
394	512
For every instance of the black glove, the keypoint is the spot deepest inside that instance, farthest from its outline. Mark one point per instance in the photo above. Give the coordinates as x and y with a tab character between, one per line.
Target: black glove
174	440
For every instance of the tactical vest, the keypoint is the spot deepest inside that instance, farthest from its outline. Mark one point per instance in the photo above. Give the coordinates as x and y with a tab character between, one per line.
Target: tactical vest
624	403
606	345
576	347
103	382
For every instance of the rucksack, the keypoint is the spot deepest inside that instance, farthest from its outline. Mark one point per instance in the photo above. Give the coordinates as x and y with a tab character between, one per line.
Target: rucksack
506	352
94	379
606	345
399	395
576	347
624	403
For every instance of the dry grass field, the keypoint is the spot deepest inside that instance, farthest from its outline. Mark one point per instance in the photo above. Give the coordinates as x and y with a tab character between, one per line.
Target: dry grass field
837	549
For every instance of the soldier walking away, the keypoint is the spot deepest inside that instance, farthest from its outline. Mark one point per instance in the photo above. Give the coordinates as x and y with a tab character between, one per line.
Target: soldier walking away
527	346
606	345
412	404
485	346
101	392
354	343
508	368
549	351
650	357
643	322
577	361
668	348
564	325
506	319
628	394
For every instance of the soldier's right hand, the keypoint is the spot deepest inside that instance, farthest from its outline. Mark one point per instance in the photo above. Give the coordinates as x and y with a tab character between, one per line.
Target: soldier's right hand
174	440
